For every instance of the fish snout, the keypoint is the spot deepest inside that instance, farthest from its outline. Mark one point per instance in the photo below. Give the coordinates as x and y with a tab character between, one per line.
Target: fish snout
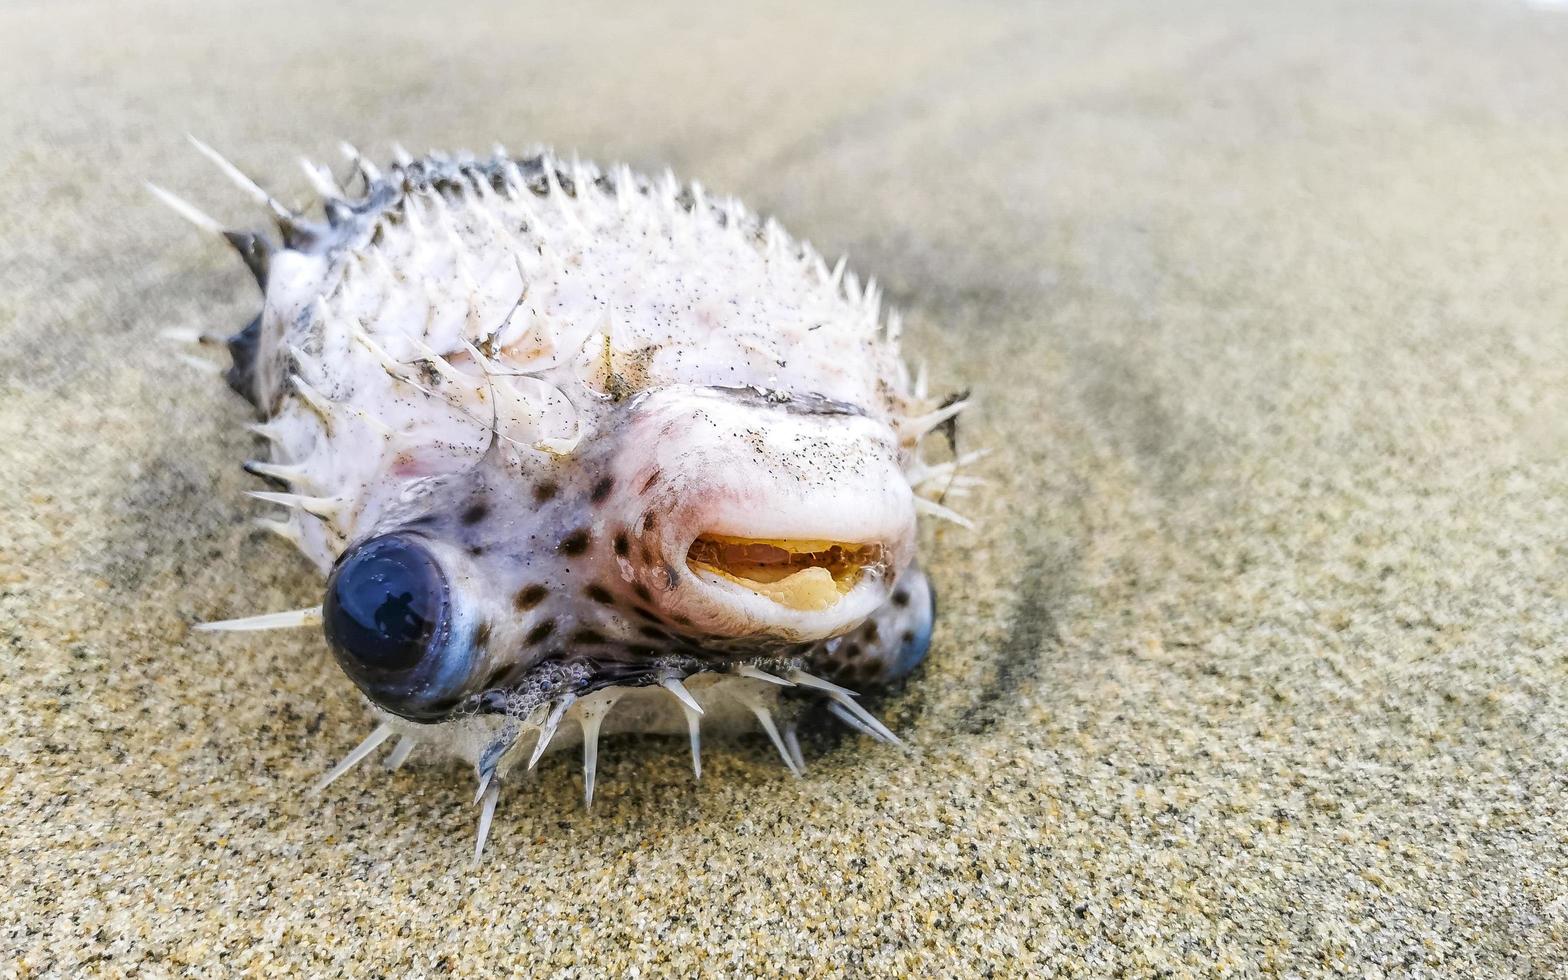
751	520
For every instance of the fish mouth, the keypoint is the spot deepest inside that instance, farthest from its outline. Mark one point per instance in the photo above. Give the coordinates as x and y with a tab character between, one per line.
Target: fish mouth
801	574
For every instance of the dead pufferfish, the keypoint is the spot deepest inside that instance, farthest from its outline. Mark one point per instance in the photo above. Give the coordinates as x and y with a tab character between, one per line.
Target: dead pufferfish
573	444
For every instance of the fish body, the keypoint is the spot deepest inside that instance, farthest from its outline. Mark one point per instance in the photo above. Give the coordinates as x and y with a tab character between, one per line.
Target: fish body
582	451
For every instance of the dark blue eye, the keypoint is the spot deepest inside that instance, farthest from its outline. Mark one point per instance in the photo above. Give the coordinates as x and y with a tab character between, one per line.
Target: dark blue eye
386	616
384	603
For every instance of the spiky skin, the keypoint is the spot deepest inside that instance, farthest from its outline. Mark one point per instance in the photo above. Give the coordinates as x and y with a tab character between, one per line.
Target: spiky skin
558	376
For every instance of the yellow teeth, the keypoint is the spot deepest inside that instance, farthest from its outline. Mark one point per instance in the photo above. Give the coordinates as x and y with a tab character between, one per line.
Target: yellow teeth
808	590
807	575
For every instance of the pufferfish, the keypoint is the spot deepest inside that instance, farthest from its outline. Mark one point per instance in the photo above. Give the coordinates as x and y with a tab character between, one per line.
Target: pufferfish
582	452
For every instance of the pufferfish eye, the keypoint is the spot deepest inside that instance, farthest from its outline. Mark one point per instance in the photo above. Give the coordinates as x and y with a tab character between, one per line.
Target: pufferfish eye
386	616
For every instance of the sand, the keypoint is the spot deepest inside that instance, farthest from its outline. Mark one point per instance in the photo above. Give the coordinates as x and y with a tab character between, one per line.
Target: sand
1255	666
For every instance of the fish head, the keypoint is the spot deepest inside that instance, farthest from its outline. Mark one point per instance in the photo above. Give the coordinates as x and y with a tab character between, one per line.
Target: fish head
694	528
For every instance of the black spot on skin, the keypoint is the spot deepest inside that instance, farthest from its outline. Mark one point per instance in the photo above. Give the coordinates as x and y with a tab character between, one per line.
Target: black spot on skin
476	550
496	677
649	521
545	491
907	637
871	632
851	651
901	598
653	633
575	543
482	635
599	594
653	478
586	636
647	613
539	633
642	592
622	546
601	490
530	596
474	513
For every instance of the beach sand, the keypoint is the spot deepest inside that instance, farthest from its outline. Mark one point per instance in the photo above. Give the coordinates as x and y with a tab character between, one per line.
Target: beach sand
1255	664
